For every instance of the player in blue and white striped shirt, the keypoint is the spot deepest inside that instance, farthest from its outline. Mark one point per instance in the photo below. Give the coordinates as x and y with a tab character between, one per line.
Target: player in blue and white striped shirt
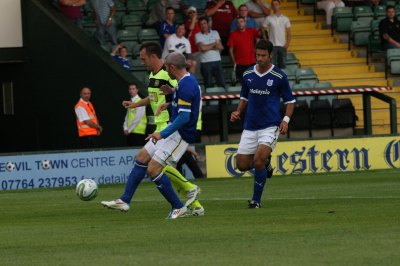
262	87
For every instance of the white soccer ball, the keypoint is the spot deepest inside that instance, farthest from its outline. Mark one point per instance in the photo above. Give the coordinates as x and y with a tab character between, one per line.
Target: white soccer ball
46	164
86	189
10	166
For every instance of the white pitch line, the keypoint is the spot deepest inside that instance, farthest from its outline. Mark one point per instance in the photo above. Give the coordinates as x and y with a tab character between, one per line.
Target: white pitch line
298	198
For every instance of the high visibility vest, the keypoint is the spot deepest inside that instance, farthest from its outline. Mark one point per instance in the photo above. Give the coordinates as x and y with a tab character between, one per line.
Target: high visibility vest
156	80
83	129
140	128
199	125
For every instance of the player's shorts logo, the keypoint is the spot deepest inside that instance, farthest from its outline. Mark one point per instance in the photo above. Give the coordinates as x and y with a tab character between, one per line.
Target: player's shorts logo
270	82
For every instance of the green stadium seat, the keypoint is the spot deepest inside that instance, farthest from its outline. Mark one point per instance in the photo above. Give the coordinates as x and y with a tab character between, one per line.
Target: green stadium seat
393	60
374	44
289	73
134	6
148	35
323	85
131	20
363	12
342	18
119	6
303	86
306	75
359	33
291	59
234	89
127	35
380	12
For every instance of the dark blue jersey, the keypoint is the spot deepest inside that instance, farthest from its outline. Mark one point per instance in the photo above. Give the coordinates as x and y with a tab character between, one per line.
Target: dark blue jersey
263	93
187	98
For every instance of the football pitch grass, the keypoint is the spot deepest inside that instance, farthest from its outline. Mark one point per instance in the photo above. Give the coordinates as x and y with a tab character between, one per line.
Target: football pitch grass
325	219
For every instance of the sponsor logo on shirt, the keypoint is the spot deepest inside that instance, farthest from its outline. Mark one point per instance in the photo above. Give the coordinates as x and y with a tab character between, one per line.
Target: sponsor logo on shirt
259	92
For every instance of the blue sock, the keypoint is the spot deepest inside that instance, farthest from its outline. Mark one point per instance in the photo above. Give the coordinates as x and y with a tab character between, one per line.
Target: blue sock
165	187
134	179
260	177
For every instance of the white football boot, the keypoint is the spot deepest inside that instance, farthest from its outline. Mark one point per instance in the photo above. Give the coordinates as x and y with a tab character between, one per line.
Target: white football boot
192	195
116	205
176	213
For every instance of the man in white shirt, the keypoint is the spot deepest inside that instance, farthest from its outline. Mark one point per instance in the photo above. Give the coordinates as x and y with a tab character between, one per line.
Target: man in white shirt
135	120
177	42
278	27
258	10
210	45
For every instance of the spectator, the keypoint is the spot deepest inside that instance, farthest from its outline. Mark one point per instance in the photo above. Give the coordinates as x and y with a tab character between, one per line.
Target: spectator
103	14
157	14
389	29
192	27
177	42
258	10
372	3
328	6
200	5
121	57
241	47
209	44
244	12
168	26
278	27
222	13
135	120
72	10
86	119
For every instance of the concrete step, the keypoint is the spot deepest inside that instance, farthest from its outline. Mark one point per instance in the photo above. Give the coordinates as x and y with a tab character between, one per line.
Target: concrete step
306	40
318	47
344	69
311	32
331	61
307	25
361	83
334	54
350	76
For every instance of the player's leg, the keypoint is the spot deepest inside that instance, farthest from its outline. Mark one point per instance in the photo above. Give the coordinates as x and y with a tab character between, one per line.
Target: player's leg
135	177
267	139
260	174
185	189
169	153
164	185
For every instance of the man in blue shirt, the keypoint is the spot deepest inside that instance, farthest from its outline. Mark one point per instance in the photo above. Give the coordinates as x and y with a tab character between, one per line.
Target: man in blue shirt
262	87
167	146
167	26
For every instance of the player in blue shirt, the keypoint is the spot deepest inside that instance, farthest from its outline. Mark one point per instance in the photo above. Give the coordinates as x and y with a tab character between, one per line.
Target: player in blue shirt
262	87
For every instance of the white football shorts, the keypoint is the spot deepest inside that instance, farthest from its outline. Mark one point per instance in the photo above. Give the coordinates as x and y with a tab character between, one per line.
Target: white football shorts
250	139
167	151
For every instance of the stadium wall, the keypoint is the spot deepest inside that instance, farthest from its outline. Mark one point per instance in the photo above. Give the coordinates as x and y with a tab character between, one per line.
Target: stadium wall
313	156
59	60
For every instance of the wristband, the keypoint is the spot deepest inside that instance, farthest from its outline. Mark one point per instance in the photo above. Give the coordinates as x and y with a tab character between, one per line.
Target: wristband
286	119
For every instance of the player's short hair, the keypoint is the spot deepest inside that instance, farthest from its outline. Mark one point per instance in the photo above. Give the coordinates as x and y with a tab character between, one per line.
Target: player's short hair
240	17
151	48
243	5
390	7
204	18
264	45
177	59
169	8
133	84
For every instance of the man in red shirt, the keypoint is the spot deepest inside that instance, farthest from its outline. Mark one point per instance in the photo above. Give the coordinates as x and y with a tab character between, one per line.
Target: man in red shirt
241	47
192	27
222	13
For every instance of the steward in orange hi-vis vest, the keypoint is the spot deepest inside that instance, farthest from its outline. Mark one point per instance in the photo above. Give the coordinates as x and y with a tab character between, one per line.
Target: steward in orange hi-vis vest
83	128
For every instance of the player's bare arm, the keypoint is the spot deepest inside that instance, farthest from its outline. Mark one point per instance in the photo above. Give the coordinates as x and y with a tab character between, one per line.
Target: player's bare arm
161	108
166	90
236	114
284	126
143	102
